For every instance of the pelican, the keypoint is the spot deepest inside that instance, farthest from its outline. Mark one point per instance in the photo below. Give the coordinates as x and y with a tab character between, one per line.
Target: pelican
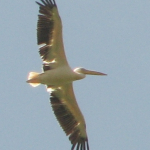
58	76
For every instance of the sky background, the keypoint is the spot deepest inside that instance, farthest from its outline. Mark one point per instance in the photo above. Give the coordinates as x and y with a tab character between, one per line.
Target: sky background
110	36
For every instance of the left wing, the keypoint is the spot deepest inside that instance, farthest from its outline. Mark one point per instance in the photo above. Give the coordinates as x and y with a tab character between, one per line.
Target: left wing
49	34
69	116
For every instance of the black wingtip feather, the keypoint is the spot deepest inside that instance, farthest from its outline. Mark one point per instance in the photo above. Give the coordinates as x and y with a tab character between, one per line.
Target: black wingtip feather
45	27
45	21
47	3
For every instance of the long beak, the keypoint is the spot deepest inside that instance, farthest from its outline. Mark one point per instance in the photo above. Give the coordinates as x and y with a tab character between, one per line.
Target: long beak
90	72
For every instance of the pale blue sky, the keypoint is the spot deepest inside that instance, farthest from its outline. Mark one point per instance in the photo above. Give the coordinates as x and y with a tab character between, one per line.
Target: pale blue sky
110	36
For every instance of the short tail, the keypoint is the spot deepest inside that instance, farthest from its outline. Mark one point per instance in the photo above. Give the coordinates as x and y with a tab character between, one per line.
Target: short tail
33	79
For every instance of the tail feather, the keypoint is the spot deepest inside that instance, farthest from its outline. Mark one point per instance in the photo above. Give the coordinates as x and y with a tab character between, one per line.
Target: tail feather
33	79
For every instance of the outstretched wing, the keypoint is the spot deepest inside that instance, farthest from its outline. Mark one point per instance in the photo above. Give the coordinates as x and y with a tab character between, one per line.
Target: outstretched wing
69	116
49	34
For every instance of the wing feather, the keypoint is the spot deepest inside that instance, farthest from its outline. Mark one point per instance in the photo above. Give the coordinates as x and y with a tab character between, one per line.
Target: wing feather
69	116
49	33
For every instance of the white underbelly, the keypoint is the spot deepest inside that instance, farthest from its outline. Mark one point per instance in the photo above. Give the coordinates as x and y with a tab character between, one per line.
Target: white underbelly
57	76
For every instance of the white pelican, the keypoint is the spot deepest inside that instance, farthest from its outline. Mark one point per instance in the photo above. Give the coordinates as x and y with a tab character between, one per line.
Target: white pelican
58	76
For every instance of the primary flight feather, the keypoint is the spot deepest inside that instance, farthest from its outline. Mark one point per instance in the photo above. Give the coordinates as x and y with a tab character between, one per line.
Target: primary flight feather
58	76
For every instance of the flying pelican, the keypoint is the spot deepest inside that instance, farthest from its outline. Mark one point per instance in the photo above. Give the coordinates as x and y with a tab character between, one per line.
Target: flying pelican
58	76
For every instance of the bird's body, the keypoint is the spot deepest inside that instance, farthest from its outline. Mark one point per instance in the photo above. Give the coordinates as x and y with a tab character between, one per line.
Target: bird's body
58	76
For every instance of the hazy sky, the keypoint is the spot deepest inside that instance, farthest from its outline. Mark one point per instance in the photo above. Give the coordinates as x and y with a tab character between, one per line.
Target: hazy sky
110	36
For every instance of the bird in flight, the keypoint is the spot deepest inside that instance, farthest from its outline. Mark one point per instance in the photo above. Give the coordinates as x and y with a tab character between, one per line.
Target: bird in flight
58	76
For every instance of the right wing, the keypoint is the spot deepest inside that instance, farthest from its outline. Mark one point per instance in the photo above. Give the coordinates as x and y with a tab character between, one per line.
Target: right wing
69	116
